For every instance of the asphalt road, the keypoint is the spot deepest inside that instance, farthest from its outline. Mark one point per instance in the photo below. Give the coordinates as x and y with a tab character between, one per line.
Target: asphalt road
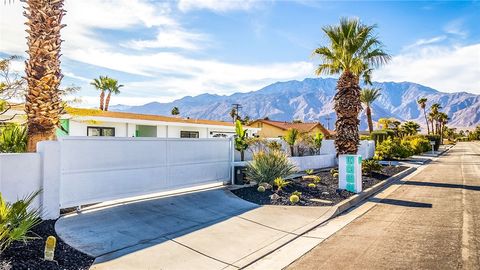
431	222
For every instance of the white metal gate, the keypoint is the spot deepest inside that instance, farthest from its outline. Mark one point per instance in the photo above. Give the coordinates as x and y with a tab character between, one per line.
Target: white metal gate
96	169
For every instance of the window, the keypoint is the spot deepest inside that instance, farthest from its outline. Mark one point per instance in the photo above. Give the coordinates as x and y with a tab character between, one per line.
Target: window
101	131
189	134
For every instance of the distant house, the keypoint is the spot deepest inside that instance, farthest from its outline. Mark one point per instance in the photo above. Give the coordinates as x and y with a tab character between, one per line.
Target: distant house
275	129
93	122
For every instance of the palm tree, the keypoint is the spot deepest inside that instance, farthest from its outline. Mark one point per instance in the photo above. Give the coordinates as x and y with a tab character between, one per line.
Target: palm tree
100	84
367	97
175	111
354	50
291	138
423	104
43	74
442	119
112	87
434	110
410	128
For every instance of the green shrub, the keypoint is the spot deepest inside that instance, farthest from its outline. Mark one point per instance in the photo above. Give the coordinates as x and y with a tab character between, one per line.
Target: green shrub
16	220
436	139
365	137
370	165
261	189
381	135
13	139
265	167
274	146
280	183
309	171
335	175
312	185
419	144
333	171
390	149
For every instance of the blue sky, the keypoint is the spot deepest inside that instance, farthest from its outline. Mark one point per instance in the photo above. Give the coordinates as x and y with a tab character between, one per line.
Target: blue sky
164	50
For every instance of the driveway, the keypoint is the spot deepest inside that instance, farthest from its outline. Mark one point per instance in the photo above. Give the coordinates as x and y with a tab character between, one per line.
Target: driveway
432	221
211	229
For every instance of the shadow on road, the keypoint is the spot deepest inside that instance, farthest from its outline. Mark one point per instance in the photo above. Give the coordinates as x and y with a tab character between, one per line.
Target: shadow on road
442	185
402	203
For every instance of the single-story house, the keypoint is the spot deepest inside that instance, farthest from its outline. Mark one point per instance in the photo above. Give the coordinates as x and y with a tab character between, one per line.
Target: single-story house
276	129
94	122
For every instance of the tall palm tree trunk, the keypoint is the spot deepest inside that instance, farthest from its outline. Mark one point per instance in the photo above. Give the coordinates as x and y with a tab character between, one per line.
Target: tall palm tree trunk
426	120
42	102
107	101
347	107
102	98
369	119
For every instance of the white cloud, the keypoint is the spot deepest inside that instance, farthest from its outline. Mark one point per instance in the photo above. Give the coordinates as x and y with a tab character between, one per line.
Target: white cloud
216	5
426	41
446	68
455	28
171	38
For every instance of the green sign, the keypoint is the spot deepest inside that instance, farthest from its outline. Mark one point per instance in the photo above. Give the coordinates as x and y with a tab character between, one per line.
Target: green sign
350	173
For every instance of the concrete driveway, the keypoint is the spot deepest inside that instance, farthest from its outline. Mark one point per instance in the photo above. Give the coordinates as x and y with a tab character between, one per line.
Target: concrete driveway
211	229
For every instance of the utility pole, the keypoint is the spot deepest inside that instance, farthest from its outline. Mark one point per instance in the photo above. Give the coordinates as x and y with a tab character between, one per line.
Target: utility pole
236	107
328	121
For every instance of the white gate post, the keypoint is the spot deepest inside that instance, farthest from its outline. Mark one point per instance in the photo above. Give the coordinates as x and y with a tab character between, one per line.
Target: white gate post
50	196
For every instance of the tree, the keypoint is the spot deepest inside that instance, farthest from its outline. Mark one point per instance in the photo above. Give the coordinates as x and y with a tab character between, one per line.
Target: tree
291	138
12	86
434	110
367	97
112	86
100	84
354	51
442	119
240	139
175	111
42	70
410	128
423	104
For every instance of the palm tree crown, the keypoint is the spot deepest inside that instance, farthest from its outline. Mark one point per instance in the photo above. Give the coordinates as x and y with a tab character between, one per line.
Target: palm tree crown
353	48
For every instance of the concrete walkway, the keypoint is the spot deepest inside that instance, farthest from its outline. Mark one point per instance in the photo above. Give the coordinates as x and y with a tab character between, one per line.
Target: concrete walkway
431	221
204	230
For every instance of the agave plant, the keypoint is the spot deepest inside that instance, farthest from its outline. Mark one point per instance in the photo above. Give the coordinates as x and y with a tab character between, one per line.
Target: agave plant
267	166
16	220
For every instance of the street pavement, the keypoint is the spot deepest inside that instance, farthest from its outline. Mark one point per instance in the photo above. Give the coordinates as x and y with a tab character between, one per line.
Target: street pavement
432	221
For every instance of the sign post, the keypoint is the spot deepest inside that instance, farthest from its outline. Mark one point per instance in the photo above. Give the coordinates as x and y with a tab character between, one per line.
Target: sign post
350	173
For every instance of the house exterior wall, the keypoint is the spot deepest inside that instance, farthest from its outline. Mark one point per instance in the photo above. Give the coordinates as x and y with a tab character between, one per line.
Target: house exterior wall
269	131
79	128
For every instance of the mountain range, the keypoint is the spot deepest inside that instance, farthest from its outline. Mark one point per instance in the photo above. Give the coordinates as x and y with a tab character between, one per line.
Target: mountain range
311	100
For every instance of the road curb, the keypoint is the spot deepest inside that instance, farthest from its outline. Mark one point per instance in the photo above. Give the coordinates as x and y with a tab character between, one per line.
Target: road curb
358	198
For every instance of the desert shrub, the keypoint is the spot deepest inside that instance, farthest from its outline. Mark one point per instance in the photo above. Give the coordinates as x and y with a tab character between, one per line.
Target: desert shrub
313	142
261	189
419	144
370	165
311	185
335	175
309	171
390	149
16	220
13	139
365	137
266	166
280	183
333	171
274	146
436	139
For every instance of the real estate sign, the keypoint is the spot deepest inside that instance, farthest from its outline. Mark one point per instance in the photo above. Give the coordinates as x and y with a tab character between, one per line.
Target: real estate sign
350	172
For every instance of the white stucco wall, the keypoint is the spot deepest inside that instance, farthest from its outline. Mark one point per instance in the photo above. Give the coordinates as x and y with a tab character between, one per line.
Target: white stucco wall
20	176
